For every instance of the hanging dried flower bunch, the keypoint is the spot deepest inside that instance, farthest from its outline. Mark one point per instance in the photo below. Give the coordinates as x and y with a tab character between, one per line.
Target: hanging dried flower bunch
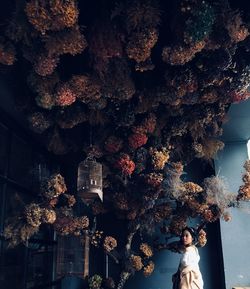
7	53
54	15
125	165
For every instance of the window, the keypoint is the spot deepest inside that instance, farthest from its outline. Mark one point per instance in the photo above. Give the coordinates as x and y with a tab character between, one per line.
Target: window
22	167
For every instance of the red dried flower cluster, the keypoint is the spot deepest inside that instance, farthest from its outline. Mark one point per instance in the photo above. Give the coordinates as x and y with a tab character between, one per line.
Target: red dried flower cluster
65	96
125	165
137	140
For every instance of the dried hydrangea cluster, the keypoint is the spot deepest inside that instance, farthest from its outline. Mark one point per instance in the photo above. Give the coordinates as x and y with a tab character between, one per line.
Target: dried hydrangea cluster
136	262
109	243
244	190
148	269
95	281
52	16
7	53
146	250
54	187
202	238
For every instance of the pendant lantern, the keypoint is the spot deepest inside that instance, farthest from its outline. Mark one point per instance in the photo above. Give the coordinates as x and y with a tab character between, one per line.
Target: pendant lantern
89	180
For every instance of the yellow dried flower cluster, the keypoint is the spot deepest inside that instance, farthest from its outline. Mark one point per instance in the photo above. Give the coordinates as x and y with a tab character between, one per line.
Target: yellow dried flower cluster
202	238
54	187
146	250
180	55
96	238
33	214
148	270
17	232
70	41
48	216
159	157
191	187
136	262
51	15
109	243
140	44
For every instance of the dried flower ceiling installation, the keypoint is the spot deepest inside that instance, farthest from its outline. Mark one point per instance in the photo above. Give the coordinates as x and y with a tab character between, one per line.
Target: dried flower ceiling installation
143	87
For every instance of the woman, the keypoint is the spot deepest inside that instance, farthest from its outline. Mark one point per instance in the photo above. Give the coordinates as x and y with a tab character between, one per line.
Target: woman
188	275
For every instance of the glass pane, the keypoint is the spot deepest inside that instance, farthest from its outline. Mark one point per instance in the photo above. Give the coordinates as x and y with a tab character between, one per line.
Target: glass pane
20	162
12	267
40	268
3	148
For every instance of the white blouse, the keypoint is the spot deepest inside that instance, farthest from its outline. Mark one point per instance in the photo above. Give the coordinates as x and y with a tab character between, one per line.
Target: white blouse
190	258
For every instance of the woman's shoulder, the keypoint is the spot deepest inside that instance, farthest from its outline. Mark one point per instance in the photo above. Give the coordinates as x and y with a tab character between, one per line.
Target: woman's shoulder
191	248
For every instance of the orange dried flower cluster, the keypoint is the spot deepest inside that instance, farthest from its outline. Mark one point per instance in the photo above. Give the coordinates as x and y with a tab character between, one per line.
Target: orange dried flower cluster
70	41
52	15
236	29
180	55
125	165
113	144
109	243
154	179
202	238
140	44
162	212
159	157
177	224
7	54
137	140
146	250
136	262
87	89
148	269
244	190
209	216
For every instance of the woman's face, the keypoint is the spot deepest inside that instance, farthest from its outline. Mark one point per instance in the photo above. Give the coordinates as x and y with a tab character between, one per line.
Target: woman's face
186	238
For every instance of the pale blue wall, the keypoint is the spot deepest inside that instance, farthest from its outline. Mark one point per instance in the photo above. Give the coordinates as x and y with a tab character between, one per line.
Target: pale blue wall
235	235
